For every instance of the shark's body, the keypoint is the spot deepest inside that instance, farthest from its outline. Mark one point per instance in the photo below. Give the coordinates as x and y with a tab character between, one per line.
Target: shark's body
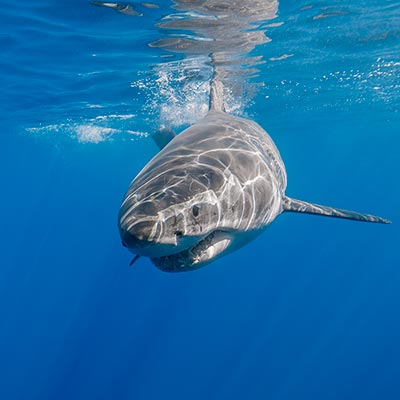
221	182
224	164
210	190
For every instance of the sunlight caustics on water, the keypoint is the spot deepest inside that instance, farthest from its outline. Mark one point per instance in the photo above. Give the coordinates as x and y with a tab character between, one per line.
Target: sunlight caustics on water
307	311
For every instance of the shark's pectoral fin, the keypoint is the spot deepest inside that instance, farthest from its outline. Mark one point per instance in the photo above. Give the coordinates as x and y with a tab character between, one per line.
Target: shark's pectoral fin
293	205
163	136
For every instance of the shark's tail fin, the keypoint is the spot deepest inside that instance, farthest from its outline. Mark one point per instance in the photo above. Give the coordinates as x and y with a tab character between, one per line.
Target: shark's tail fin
293	205
216	87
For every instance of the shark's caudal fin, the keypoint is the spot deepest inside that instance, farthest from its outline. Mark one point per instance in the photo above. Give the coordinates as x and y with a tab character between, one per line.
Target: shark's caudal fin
309	208
216	88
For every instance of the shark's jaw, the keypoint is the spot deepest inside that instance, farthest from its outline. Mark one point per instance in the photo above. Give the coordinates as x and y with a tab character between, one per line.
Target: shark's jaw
196	256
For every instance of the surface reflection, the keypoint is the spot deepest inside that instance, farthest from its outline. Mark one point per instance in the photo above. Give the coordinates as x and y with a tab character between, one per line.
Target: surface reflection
222	32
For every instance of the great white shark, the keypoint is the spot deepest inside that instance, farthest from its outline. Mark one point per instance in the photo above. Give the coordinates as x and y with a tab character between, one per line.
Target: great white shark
209	191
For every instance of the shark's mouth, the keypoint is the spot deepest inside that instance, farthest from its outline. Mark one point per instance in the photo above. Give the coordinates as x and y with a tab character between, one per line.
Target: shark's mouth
196	256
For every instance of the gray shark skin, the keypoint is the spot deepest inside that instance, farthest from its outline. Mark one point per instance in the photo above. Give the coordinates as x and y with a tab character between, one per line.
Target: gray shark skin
209	191
219	183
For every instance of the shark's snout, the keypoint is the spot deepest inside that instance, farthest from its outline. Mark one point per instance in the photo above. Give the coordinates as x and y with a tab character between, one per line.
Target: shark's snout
143	231
155	222
143	238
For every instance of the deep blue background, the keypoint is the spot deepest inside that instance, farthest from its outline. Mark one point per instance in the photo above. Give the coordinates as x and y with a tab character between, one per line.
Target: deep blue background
309	310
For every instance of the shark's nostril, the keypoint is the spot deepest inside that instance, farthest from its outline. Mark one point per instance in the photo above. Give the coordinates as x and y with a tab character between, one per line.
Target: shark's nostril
178	233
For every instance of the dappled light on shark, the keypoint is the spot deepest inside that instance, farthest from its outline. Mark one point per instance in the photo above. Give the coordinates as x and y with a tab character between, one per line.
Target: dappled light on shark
210	190
219	183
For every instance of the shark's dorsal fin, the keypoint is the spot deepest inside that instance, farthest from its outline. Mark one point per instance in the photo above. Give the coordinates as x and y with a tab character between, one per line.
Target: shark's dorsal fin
216	94
293	205
216	88
163	136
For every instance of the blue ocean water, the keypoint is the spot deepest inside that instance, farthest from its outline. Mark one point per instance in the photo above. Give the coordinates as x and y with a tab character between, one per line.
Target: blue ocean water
309	310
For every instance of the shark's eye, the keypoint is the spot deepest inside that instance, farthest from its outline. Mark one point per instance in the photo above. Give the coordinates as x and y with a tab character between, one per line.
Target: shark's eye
195	211
179	233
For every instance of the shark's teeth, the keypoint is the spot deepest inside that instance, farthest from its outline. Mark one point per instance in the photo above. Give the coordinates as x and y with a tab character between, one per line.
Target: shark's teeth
196	256
186	259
